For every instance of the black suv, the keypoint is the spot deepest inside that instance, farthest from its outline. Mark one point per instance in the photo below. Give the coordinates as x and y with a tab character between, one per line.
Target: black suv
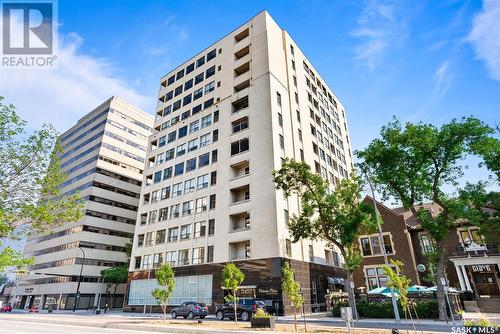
245	309
190	310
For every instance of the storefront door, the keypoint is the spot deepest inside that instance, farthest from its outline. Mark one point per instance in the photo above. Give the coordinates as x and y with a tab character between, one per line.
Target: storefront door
486	284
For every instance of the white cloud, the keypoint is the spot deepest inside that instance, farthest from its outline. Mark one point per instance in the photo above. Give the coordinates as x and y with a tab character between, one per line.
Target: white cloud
64	94
442	79
380	27
485	36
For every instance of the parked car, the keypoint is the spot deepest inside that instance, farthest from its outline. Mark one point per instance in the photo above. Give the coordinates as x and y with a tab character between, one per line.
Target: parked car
190	310
6	308
245	309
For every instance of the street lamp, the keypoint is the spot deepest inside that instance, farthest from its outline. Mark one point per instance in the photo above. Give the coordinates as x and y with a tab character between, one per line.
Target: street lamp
382	246
77	297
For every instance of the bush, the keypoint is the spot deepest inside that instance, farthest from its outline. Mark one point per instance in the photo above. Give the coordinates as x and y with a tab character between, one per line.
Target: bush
425	310
261	314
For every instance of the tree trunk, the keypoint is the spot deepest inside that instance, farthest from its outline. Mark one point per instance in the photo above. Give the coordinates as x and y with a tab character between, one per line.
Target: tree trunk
441	274
295	317
113	300
235	303
165	313
350	292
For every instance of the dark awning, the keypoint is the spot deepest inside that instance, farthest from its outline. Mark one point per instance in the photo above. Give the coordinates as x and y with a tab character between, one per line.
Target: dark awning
335	280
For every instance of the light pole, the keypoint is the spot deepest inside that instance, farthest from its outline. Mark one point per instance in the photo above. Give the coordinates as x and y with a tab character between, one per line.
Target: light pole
382	245
77	298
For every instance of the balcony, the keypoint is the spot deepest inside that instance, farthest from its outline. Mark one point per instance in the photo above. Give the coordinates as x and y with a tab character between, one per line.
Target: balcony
240	194
240	169
240	104
242	85
239	250
239	222
471	249
242	52
242	69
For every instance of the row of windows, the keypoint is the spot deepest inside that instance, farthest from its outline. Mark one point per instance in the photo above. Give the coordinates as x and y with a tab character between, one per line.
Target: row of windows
87	123
181	258
108	216
184	167
68	262
132	120
84	244
188	85
193	127
110	202
184	232
83	228
199	205
190	68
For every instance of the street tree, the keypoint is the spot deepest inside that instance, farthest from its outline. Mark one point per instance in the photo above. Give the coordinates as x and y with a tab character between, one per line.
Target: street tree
165	278
417	163
112	278
232	277
30	182
337	216
291	288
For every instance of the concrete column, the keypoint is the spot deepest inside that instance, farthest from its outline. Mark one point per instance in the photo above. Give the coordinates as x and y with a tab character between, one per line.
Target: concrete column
458	268
59	301
466	278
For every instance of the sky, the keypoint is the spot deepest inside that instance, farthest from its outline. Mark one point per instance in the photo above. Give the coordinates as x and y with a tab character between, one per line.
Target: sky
421	61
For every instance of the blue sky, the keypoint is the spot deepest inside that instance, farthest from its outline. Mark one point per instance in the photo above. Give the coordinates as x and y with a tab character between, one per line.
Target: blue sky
427	61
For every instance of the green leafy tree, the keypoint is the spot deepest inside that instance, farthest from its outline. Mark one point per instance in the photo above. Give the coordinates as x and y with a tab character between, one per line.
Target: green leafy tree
416	163
337	216
292	290
232	277
113	277
30	180
165	278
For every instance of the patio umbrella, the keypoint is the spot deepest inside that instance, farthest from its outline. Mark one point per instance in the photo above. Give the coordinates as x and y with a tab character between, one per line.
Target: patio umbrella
384	291
434	289
416	289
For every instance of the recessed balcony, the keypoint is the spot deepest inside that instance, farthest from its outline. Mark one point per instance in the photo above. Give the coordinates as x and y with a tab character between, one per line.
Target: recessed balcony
239	222
240	194
239	250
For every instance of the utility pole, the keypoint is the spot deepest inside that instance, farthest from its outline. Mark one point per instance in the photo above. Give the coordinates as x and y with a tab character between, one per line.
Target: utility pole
382	246
77	297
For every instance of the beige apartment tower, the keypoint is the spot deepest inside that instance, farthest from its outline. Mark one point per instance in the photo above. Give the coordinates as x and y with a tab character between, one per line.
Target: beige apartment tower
225	120
103	156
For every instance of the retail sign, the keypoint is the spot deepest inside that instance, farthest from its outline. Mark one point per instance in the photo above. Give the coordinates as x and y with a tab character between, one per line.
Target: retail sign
481	268
28	290
421	268
269	292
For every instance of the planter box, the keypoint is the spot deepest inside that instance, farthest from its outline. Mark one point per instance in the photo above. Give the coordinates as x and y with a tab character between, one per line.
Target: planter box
263	322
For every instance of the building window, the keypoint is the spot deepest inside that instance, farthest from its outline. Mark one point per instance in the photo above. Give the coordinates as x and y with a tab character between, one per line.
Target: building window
278	98
200	61
311	253
181	150
189	185
212	201
160	237
214	156
375	278
213	178
137	262
164	193
170	257
190	165
184	257
201	205
162	214
209	87
211	55
179	169
240	124
204	160
239	146
200	229
209	72
211	227
193	145
149	239
280	119
140	240
427	243
194	126
288	247
167	173
173	234
185	231
210	254
206	121
187	208
370	245
202	181
177	189
282	142
198	255
175	211
470	235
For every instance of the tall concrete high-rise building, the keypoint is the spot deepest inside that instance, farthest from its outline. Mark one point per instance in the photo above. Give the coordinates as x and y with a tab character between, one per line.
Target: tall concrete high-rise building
103	156
225	120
